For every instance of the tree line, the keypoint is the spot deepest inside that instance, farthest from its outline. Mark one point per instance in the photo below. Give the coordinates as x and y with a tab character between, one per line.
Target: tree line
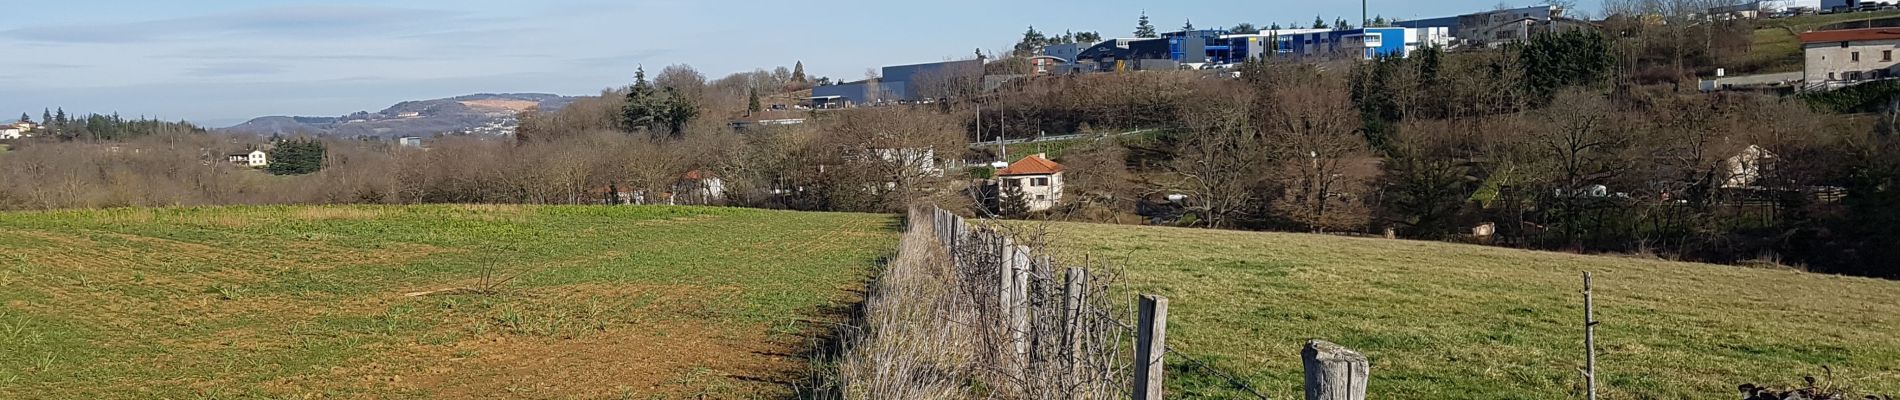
1550	144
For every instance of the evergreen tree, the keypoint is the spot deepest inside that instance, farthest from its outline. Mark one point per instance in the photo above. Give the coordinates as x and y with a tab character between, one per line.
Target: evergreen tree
752	101
1244	28
1032	43
1379	21
1553	61
1189	27
1088	37
59	117
1319	23
798	72
1143	29
643	108
1341	24
46	117
297	157
1275	27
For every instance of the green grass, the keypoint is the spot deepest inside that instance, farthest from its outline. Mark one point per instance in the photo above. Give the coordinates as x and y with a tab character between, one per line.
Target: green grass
273	302
1446	321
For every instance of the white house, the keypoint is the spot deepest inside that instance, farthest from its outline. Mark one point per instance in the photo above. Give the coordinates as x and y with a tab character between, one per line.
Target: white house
16	130
410	142
1745	168
253	159
700	188
1845	57
1039	179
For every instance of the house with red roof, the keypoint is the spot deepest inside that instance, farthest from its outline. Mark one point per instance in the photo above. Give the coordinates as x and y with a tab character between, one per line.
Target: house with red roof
1039	179
1844	57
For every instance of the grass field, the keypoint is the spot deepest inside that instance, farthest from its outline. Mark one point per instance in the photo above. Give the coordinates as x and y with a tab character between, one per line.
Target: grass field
1445	321
280	302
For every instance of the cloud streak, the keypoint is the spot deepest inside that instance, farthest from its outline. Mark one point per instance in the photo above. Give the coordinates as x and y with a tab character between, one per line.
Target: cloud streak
290	22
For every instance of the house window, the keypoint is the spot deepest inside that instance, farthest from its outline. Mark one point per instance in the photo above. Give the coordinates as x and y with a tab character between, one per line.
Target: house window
1856	56
1843	45
1039	182
1886	55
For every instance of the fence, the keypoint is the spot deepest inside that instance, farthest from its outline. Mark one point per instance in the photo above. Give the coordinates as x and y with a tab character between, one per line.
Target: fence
1055	336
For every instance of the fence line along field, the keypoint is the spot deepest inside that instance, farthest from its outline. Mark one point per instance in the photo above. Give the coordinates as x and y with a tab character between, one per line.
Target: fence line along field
1447	321
422	302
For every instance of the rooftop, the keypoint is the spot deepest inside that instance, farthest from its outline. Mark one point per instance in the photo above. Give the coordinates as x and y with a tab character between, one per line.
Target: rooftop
1851	35
1031	165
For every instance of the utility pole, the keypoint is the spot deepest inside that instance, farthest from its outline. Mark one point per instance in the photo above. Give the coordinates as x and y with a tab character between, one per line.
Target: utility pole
1365	10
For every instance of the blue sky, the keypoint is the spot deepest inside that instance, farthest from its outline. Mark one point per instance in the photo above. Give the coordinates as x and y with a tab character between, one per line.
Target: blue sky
222	62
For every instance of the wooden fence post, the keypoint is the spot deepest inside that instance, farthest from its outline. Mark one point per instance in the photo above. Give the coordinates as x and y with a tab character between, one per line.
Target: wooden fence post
1019	267
1075	298
1151	345
1334	372
1589	340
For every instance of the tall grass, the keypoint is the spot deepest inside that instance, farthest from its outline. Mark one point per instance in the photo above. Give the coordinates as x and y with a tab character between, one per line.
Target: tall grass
934	328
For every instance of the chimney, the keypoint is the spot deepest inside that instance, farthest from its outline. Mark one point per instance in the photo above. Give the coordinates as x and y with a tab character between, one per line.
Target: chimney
1044	156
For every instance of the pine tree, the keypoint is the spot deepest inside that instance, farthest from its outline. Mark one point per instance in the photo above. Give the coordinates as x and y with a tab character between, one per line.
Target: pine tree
297	157
1244	28
1143	29
59	117
641	110
1032	43
752	101
798	72
1275	27
1189	27
1319	23
46	117
26	118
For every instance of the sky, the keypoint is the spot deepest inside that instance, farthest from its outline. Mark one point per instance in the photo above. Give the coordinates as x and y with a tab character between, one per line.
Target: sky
221	62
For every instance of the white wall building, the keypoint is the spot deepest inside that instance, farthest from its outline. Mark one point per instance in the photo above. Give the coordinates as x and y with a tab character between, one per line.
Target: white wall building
1849	56
253	159
1039	179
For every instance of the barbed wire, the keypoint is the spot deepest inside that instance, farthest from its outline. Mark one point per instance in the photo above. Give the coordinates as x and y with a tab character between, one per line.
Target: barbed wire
1174	350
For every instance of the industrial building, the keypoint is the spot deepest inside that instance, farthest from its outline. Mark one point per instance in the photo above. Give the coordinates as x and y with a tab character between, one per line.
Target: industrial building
1190	49
1482	28
902	83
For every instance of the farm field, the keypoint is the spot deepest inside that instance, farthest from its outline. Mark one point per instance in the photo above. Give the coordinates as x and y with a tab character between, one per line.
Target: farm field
301	302
1449	321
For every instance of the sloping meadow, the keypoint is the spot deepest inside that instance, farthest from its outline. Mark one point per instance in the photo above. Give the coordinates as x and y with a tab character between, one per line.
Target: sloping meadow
1447	321
426	301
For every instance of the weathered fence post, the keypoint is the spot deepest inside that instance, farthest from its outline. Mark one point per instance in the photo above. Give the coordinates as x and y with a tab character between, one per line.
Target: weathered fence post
1334	372
1074	307
1020	264
1151	344
1589	340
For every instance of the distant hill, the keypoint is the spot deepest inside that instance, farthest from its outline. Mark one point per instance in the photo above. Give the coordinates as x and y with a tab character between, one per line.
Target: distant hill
476	114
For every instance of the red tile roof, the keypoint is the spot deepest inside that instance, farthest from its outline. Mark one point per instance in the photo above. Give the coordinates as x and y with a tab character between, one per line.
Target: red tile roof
1851	35
1031	165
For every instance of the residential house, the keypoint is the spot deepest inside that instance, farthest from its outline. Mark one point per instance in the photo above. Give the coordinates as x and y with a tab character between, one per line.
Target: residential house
698	187
17	130
1745	168
409	142
1845	57
1039	179
253	159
